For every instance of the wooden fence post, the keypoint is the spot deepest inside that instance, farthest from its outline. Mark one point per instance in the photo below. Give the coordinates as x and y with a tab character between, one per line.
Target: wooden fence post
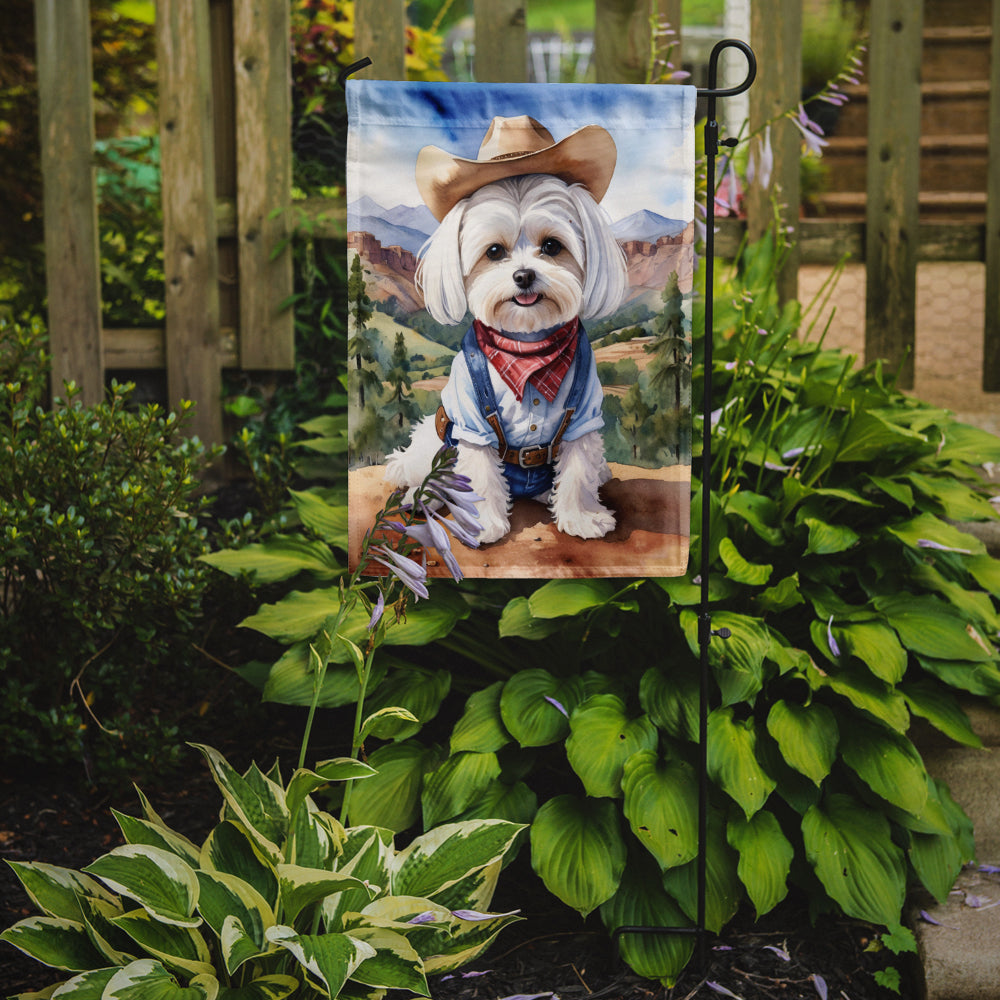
262	61
72	254
776	35
380	34
501	41
190	251
991	331
893	183
623	37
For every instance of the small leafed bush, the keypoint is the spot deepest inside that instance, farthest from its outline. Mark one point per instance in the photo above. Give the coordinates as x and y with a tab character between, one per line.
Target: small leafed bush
280	899
99	575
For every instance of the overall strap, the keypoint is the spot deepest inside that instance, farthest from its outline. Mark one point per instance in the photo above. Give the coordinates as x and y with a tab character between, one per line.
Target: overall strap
581	371
482	386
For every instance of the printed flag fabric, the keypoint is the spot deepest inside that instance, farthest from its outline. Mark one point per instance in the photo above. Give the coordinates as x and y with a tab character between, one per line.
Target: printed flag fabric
520	261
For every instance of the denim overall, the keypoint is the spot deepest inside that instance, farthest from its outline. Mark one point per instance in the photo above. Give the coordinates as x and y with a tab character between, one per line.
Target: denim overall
529	471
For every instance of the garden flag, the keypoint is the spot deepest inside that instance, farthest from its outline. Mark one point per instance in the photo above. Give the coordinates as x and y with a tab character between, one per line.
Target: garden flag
520	281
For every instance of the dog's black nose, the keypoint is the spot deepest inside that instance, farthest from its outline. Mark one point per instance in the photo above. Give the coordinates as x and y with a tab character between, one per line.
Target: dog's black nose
523	277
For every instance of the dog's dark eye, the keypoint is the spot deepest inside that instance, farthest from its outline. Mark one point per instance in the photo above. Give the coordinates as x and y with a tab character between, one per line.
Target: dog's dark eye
495	251
551	246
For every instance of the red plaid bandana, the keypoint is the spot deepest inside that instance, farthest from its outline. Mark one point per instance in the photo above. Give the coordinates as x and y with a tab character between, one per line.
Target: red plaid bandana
544	362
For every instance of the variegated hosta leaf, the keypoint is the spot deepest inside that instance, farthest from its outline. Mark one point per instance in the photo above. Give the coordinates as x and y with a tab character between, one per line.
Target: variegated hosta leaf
642	902
765	858
99	915
476	890
304	782
661	800
456	784
56	891
177	947
395	964
54	941
723	889
87	986
225	897
301	887
315	838
149	980
578	851
329	959
468	939
441	857
481	727
230	849
275	987
732	760
602	737
807	736
158	880
417	690
850	847
141	831
535	706
256	801
367	853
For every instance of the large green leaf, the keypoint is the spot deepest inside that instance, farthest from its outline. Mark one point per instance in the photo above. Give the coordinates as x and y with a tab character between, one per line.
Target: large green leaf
516	803
765	858
602	737
391	798
661	806
420	691
641	901
941	709
144	831
330	959
327	520
535	706
739	569
986	572
807	736
828	539
291	680
54	941
147	979
924	528
976	678
56	891
851	850
732	760
864	691
301	887
870	436
738	661
876	646
225	897
957	501
723	889
517	620
280	557
672	700
578	851
888	763
275	987
559	598
438	859
481	728
456	784
932	628
164	885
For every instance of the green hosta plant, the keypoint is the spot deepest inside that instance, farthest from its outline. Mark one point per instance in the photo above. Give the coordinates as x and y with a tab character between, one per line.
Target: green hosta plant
855	605
279	900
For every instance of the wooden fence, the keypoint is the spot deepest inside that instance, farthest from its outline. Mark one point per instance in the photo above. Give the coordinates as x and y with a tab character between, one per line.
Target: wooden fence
226	161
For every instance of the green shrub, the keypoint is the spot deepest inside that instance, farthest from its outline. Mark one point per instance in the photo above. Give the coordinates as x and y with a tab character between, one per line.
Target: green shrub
101	584
279	900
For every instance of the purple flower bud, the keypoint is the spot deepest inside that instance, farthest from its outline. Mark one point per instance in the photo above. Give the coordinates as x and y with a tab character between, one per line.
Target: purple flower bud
377	612
834	648
412	575
558	705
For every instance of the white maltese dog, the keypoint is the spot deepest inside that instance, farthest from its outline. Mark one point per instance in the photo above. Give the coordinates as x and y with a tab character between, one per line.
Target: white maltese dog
524	246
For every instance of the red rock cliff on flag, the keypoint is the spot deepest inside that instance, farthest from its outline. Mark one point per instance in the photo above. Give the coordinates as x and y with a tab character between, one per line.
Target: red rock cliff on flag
521	262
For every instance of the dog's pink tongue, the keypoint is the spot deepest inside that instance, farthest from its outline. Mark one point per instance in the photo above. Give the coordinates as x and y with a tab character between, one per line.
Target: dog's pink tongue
528	299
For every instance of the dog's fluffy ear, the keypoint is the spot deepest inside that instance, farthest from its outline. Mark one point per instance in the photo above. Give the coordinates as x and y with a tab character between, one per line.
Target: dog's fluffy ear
439	273
606	278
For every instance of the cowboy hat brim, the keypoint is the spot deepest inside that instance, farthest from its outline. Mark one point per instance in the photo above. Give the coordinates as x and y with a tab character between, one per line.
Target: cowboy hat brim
586	157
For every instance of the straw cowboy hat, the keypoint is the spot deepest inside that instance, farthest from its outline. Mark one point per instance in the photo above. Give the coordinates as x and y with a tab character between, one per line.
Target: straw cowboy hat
513	147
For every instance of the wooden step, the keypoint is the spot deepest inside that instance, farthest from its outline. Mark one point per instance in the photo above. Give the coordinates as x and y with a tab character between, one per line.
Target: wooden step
945	12
957	206
956	53
947	162
945	106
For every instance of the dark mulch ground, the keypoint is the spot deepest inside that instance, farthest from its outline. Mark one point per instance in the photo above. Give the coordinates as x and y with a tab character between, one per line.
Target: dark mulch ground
550	952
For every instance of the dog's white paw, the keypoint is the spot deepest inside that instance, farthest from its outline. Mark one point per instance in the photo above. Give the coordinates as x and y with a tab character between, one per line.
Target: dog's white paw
586	523
491	527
